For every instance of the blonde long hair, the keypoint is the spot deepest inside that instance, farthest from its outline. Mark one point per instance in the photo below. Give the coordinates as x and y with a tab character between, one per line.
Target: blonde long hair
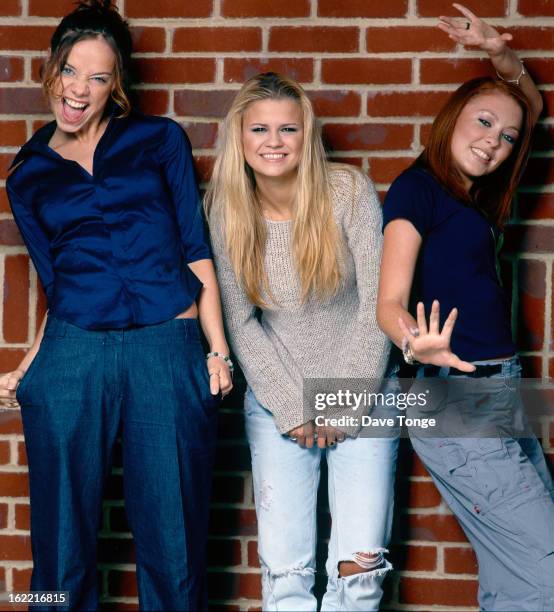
232	203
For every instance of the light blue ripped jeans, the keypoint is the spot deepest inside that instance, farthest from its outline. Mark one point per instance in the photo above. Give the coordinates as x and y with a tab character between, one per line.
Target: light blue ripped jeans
286	477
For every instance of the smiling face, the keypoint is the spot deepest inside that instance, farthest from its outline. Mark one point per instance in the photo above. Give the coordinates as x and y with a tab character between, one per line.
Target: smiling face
272	137
84	86
484	135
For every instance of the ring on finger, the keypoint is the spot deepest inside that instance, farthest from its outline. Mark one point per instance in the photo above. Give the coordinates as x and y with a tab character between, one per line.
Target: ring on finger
214	373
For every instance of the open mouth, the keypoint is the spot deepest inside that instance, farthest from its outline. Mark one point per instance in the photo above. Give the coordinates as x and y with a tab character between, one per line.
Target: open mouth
73	110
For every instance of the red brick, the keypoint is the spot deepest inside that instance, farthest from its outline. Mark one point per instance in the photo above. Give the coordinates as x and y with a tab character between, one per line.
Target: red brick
541	69
217	39
21	579
536	7
12	133
253	558
405	104
22	516
202	135
25	38
532	366
419	494
153	101
224	552
414	558
531	290
4	203
460	561
229	585
543	138
116	550
9	234
14	484
228	489
539	172
532	38
335	103
204	166
41	303
434	8
551	430
16	298
535	206
352	161
425	591
233	521
453	70
366	70
367	137
238	70
15	547
21	454
11	7
50	8
23	101
433	528
9	360
11	69
176	70
168	8
5	162
548	98
3	516
528	239
386	169
10	420
404	38
4	452
314	39
122	583
147	40
362	8
196	103
255	8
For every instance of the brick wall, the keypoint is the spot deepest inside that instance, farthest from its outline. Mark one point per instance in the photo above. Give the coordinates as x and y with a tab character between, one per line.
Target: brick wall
377	71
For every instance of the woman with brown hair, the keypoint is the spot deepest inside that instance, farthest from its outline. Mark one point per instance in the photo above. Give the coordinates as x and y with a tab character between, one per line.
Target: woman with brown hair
443	220
106	201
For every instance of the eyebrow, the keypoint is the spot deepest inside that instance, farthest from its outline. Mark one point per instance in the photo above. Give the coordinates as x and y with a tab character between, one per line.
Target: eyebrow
267	124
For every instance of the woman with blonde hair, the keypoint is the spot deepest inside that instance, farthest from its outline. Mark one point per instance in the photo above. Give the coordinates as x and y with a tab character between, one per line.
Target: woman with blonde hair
297	245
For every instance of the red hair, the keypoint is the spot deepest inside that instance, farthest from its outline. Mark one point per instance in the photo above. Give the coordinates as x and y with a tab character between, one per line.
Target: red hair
492	193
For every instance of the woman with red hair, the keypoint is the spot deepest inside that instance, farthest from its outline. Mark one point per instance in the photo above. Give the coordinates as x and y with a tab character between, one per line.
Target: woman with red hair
443	220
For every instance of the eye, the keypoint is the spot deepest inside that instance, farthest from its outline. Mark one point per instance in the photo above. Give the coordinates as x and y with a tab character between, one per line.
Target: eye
289	129
258	129
509	139
485	122
100	79
66	71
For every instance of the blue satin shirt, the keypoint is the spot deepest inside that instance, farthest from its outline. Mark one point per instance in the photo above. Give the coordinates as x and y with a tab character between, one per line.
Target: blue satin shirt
112	249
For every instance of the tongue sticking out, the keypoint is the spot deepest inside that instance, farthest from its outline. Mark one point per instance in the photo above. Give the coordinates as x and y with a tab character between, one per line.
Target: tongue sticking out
72	114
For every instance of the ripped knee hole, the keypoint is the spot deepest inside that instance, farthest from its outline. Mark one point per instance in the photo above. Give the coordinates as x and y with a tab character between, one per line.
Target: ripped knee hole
362	562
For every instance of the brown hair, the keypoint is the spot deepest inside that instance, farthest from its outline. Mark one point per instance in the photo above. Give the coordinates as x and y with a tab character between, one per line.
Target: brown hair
492	193
92	19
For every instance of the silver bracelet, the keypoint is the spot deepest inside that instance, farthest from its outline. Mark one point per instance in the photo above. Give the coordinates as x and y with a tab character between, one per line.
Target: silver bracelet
517	79
225	358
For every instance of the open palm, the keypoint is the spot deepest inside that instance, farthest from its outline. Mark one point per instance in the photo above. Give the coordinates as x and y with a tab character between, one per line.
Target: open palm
429	344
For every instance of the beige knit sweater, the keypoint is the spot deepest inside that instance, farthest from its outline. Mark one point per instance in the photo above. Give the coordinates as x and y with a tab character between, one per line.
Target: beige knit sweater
336	337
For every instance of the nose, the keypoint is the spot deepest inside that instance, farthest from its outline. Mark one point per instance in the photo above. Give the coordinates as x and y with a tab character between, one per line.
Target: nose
79	87
274	138
494	138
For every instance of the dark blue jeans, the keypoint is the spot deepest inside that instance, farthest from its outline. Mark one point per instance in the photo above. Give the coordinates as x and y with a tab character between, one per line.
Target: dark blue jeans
81	387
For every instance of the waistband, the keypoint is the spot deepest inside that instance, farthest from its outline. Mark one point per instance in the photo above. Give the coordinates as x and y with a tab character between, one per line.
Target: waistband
187	330
482	369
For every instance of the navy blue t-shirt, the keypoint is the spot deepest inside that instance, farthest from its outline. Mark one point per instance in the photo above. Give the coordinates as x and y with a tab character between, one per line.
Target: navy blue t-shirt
456	265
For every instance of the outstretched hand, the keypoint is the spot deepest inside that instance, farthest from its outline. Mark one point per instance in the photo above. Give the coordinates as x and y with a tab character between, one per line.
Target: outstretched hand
429	344
479	33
